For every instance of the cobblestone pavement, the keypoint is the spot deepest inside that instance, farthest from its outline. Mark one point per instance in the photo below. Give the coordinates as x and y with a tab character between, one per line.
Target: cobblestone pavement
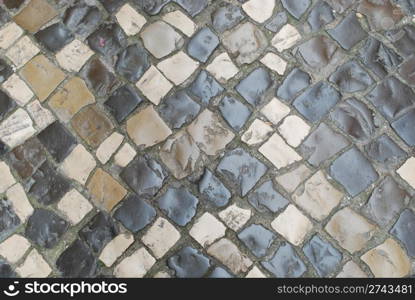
202	138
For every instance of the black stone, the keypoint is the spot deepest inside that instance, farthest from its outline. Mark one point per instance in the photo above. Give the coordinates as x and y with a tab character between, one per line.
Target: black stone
220	273
12	4
45	228
241	169
317	101
193	7
285	263
404	230
82	19
407	70
294	83
6	105
297	7
135	213
254	86
320	15
132	63
99	231
266	197
144	176
213	190
77	261
112	5
152	7
108	40
5	71
179	205
322	255
57	140
54	37
8	218
6	270
189	263
353	171
351	78
348	32
4	17
123	102
205	87
3	148
277	22
203	44
404	127
47	185
403	39
385	151
178	109
235	113
99	78
257	239
226	17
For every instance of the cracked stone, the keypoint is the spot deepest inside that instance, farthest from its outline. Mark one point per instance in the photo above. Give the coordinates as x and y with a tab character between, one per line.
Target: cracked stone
385	151
205	87
108	40
404	127
295	82
8	179
235	113
254	87
213	190
257	239
99	78
226	17
54	37
227	252
123	102
203	44
17	128
257	133
35	15
154	85
320	15
275	63
235	217
266	197
125	155
180	21
351	78
109	147
286	38
296	7
285	263
348	32
132	63
189	263
403	230
278	152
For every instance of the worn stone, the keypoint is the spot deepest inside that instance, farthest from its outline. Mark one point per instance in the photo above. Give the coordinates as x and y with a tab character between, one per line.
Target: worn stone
132	63
79	164
17	128
403	127
385	151
226	17
35	15
99	78
154	85
257	239
227	252
82	18
254	87
130	20
285	263
202	44
278	152
205	87
135	265
207	229
348	32
296	7
222	68
351	78
189	263
213	190
295	82
403	230
266	197
235	217
235	113
108	40
123	102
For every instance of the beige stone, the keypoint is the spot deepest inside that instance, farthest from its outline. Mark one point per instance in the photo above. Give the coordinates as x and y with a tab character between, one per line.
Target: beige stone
125	155
71	98
22	51
318	197
229	254
275	111
17	128
294	130
105	191
162	274
352	231
292	179
116	248
74	56
278	152
351	270
292	225
43	117
42	76
7	179
257	133
36	14
235	217
178	68
161	237
21	205
18	90
9	34
255	273
407	171
146	128
286	38
34	266
209	134
388	260
79	164
180	21
136	265
207	229
222	68
275	63
259	10
13	248
108	147
154	85
130	20
74	206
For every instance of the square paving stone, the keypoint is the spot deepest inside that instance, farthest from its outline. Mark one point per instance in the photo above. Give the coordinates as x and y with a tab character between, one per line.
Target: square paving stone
189	263
385	151
351	78
266	197
132	62
179	205
354	171
99	78
226	17
82	18
241	169
202	44
295	82
135	213
35	15
257	238
404	127
54	37
320	15
403	230
8	218
213	190
254	87
123	102
144	175
45	228
57	140
99	231
108	40
205	87
348	32
235	113
285	263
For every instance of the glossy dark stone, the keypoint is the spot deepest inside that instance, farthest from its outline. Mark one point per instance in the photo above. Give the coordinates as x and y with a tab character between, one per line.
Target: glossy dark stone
82	19
322	255
277	22
6	105
317	101
266	197
355	119
294	83
257	239
385	151
213	190
379	58
112	5
391	97
353	171
404	230
404	127
407	70
403	39
6	270
241	169
135	213
202	44
348	32
193	7
99	231
322	144
320	15
26	158
12	4
351	78
234	112
77	261
386	201
179	205
254	86
45	228
205	87
99	78
8	218
320	53
47	185
152	7
285	263
341	5
5	71
189	263
108	40
54	37
226	17
220	273
144	176
296	7
123	102
178	109
132	63
57	140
